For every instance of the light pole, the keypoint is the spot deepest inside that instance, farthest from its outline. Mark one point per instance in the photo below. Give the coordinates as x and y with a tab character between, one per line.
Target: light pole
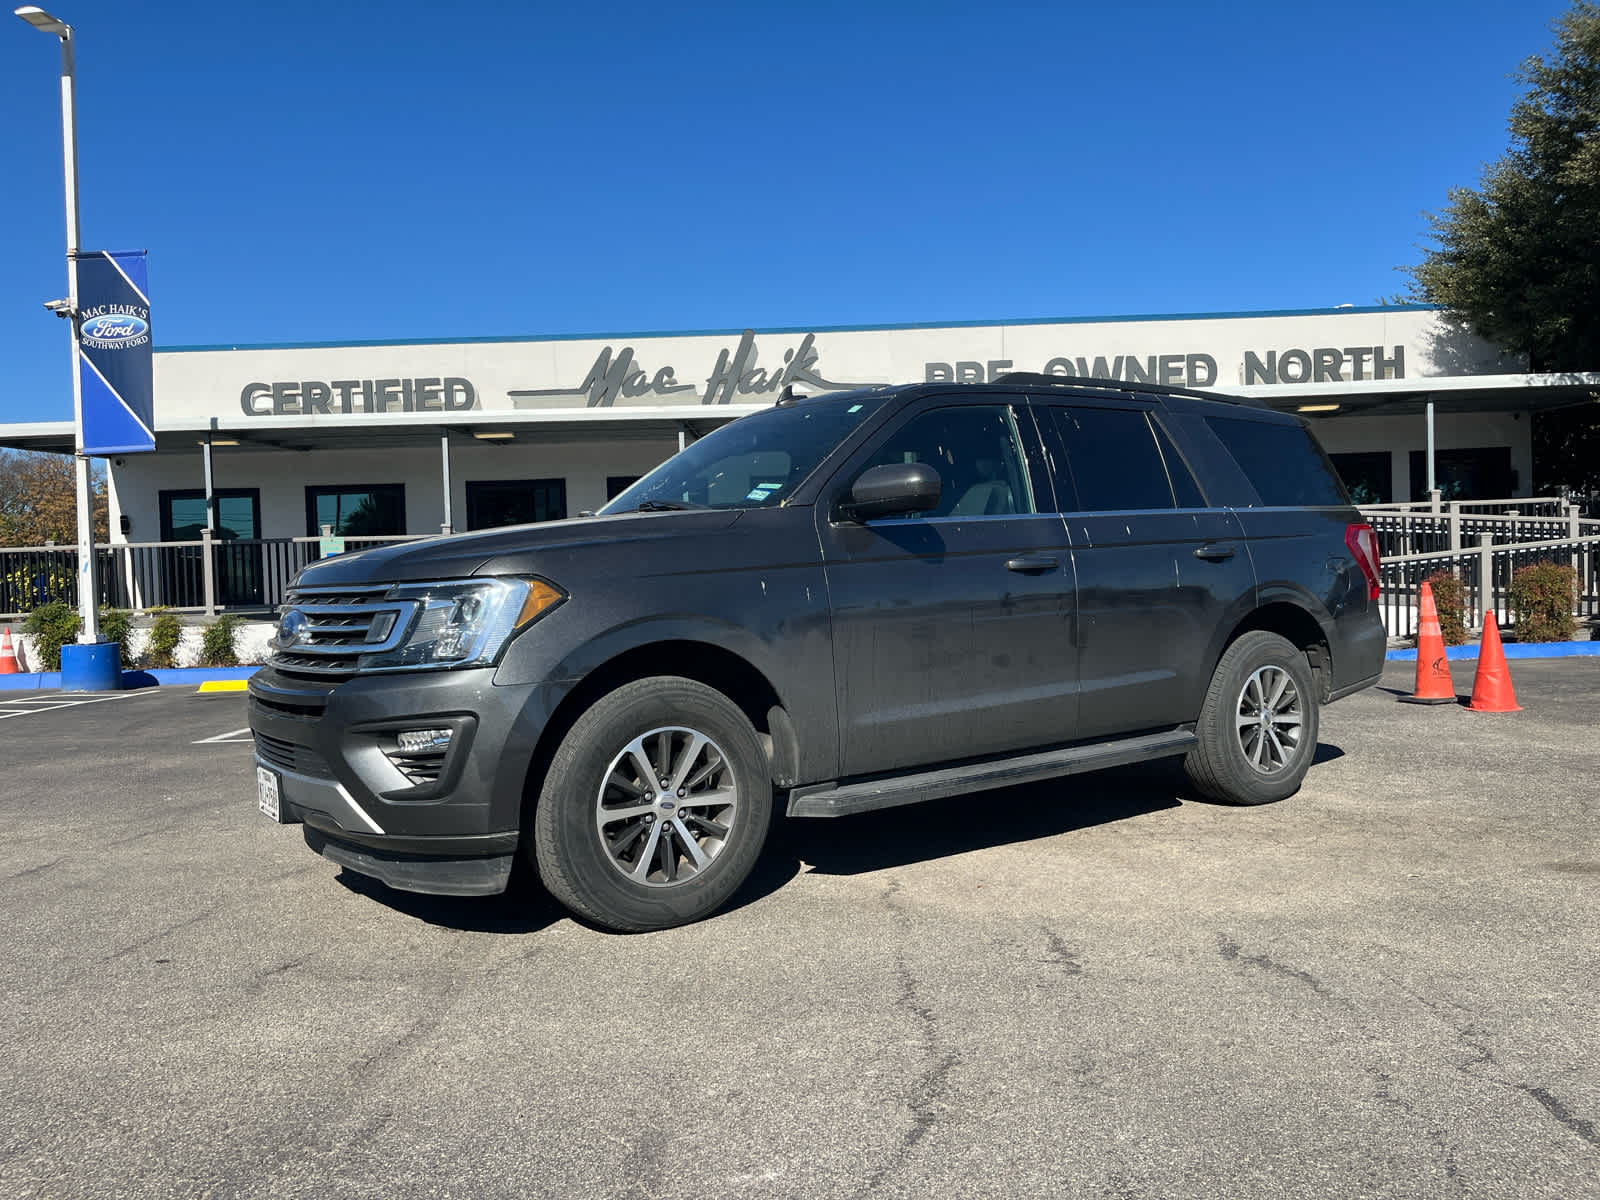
89	629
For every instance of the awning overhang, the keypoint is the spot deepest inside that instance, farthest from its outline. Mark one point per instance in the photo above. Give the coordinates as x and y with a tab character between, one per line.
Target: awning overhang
391	431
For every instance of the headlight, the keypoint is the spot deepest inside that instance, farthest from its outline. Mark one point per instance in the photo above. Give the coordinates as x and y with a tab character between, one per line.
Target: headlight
464	623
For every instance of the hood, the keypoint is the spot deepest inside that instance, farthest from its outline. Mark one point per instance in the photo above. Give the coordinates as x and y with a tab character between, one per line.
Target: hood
512	550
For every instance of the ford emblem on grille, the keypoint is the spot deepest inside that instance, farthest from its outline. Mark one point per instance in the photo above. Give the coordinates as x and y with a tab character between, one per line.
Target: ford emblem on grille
290	628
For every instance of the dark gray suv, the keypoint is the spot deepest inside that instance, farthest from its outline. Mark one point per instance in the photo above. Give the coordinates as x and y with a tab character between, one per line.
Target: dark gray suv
841	603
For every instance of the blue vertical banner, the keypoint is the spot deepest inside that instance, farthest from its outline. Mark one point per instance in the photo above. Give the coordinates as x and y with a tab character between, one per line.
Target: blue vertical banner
114	353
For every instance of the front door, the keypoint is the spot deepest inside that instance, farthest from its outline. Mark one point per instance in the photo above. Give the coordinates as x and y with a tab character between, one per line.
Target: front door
950	628
236	552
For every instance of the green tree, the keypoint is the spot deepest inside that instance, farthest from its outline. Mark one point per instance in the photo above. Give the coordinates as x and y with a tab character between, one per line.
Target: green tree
38	500
1517	259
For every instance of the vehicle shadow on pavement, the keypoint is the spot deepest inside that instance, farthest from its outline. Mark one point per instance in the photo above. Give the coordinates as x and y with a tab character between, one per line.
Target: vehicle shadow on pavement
524	907
855	845
959	824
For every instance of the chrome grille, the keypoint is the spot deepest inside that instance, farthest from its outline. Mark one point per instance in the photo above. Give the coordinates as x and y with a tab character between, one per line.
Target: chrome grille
335	626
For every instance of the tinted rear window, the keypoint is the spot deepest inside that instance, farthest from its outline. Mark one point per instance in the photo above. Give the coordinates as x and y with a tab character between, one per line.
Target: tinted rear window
1115	462
1284	462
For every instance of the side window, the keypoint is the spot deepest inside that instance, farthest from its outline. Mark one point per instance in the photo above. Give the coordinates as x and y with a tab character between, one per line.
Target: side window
977	454
1283	461
1114	460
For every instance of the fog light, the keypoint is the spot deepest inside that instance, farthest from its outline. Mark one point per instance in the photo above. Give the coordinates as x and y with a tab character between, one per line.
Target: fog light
423	741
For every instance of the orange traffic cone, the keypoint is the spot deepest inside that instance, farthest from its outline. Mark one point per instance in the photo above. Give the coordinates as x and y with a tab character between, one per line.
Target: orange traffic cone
1491	686
1433	668
8	655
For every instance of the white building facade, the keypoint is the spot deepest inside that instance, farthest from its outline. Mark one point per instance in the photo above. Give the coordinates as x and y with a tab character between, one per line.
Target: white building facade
415	437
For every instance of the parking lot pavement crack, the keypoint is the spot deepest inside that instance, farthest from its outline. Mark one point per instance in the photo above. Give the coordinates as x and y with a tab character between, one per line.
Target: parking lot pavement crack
1231	951
1472	1038
37	870
924	1098
1558	1110
398	1048
161	933
1060	954
1384	1093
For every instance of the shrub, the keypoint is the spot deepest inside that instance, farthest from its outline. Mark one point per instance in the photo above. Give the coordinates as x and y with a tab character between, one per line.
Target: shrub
1541	602
161	647
52	626
115	625
216	645
1451	600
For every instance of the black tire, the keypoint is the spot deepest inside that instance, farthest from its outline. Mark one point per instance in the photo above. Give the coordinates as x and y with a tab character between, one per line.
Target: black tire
1258	728
620	851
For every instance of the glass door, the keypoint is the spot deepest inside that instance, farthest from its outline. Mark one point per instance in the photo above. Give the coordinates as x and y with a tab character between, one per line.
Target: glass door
236	552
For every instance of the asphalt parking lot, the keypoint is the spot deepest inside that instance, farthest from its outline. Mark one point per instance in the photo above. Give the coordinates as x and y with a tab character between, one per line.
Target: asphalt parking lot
1385	986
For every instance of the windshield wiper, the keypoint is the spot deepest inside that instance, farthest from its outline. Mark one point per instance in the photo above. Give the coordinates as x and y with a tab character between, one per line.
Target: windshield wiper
665	506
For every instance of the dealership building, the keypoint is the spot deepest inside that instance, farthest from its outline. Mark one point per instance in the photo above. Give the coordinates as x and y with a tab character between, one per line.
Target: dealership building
415	437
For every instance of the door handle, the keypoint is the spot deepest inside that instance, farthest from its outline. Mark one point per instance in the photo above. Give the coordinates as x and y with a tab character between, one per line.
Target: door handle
1030	563
1216	551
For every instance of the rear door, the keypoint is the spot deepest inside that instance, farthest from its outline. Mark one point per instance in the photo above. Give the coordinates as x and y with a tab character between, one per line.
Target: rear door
952	628
1160	571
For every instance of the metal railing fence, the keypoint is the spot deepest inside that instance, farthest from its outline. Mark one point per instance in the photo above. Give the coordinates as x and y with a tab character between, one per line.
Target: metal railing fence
1529	506
1485	572
205	576
1457	526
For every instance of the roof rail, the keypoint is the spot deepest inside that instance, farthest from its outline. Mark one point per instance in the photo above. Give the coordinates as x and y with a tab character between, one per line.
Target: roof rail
1123	385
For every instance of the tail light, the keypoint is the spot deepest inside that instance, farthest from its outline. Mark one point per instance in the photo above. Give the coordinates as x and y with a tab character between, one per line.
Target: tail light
1363	544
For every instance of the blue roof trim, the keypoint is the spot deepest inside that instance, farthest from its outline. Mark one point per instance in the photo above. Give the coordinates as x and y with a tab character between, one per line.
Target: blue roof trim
794	329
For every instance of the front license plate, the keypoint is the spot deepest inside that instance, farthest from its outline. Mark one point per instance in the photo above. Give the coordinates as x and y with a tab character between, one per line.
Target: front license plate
267	799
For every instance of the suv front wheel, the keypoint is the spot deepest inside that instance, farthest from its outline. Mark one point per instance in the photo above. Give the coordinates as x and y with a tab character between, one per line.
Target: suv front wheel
655	806
1258	728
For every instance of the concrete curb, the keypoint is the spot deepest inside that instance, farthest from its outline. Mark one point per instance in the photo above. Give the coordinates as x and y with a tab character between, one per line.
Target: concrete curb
1512	649
132	679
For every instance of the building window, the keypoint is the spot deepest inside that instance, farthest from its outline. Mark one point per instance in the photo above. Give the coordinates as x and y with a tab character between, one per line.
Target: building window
1368	476
357	510
617	484
183	514
495	502
1478	473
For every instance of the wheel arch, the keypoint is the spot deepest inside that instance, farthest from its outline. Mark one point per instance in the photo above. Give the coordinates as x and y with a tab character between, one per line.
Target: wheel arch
1297	625
705	662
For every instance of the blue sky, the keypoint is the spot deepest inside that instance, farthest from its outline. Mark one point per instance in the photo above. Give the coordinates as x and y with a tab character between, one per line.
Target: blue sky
357	171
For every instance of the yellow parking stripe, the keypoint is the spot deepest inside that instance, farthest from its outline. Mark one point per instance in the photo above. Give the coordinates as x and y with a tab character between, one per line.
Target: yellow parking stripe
224	685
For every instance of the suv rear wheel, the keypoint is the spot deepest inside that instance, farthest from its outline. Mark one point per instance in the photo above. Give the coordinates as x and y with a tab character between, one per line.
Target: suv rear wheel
1258	729
655	806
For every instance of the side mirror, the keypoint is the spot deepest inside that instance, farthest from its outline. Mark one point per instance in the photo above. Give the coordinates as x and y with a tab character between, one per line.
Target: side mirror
893	490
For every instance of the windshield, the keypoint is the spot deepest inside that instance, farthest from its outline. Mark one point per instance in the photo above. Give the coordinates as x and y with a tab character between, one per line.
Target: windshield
754	462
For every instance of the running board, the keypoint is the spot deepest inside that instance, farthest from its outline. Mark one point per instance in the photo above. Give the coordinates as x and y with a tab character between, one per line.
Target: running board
833	800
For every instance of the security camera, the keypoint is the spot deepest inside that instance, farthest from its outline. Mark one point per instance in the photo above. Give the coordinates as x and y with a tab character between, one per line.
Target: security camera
61	308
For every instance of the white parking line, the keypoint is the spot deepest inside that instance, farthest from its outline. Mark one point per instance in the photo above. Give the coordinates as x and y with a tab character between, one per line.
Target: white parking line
226	739
44	704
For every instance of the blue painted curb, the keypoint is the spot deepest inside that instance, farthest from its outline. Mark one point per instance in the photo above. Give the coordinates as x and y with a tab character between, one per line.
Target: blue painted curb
132	679
1512	649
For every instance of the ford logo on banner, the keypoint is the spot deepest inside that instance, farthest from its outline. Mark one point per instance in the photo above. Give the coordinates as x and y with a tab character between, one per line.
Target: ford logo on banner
114	328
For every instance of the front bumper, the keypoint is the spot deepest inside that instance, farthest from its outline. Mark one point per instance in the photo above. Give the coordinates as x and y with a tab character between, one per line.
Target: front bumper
448	823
